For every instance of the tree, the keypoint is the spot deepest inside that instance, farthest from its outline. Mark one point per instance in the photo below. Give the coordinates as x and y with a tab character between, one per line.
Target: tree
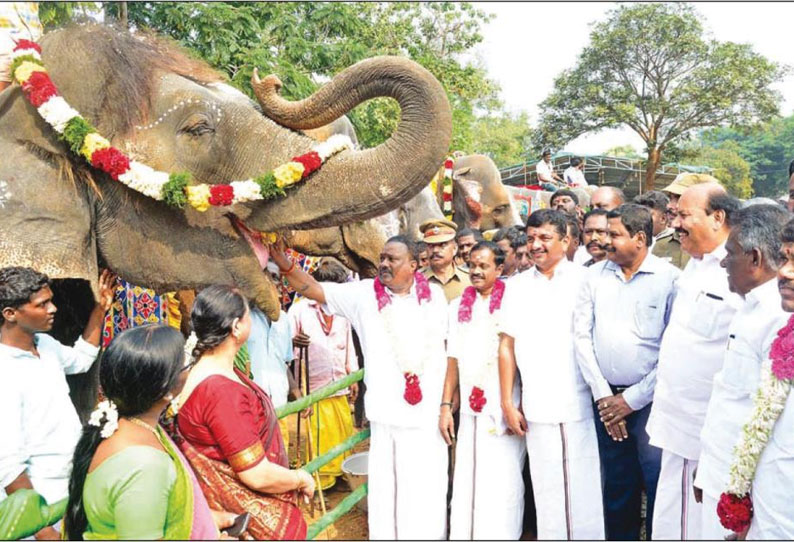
623	151
504	138
729	168
650	67
768	149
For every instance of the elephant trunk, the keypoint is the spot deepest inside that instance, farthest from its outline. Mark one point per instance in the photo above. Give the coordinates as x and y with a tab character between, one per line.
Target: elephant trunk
358	185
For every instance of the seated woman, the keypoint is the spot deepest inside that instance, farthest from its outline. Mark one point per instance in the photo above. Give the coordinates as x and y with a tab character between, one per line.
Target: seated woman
227	427
129	480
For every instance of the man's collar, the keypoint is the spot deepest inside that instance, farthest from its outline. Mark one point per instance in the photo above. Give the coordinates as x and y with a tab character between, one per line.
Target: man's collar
562	267
717	254
763	291
667	232
650	264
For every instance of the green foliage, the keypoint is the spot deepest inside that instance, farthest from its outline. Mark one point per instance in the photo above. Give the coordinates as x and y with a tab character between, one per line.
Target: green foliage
268	186
307	43
55	14
729	167
651	67
768	149
504	138
623	151
75	131
174	190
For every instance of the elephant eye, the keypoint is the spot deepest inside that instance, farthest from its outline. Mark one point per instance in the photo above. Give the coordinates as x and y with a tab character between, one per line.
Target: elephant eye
198	128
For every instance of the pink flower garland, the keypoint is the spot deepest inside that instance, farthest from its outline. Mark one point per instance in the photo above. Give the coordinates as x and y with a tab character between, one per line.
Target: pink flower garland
736	511
470	295
477	398
413	390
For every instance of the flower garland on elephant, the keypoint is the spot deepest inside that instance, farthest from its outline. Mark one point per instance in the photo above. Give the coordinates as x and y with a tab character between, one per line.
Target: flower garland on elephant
735	507
176	189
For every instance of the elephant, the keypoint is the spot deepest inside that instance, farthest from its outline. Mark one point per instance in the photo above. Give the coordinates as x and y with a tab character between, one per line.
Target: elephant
406	219
163	107
479	199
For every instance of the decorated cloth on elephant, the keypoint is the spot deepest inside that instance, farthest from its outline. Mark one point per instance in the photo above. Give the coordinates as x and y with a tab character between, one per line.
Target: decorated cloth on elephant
224	428
135	306
407	456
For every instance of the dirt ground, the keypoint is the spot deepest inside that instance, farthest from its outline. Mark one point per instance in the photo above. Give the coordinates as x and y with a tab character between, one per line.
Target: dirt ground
351	526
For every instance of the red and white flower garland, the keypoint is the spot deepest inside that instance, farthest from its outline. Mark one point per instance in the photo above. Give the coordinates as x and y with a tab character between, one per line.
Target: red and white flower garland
175	188
735	507
481	365
410	365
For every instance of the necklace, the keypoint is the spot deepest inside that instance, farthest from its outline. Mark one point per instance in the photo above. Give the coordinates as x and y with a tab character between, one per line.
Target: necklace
140	423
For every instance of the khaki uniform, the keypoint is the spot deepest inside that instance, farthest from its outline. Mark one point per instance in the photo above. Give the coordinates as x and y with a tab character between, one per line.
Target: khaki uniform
669	248
454	286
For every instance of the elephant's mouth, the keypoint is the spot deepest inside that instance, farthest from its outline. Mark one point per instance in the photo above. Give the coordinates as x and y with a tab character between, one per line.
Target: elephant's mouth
260	249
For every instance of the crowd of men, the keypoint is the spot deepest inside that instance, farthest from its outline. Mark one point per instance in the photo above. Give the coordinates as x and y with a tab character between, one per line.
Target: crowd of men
623	369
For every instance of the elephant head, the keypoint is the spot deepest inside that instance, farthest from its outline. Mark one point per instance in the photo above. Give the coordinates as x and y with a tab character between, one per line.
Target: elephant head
406	219
173	113
479	197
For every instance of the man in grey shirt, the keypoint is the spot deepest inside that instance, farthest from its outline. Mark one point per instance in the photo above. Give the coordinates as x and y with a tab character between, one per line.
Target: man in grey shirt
621	314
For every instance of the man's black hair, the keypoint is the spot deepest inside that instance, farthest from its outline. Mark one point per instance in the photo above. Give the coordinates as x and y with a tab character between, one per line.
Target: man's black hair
465	232
17	286
515	237
635	218
420	246
573	226
575	162
556	218
564	192
653	200
496	250
722	201
410	245
594	212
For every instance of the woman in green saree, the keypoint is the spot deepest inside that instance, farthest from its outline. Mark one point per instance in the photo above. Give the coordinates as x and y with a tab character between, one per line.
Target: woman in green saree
129	480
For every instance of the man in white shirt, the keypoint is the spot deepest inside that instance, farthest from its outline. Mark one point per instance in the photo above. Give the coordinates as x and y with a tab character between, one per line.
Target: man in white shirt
555	414
773	507
488	460
401	320
574	175
692	351
621	313
39	424
545	171
752	260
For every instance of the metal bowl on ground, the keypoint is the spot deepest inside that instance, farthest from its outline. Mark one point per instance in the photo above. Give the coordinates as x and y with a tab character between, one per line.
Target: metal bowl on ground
354	470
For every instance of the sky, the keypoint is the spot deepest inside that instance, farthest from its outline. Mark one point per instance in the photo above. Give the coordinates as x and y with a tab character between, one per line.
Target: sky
526	46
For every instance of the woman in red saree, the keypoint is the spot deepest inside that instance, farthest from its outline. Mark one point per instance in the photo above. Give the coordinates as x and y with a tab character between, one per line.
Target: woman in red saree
227	428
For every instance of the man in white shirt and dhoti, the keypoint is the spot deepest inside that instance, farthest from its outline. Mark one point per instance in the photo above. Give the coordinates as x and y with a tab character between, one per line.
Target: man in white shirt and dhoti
752	260
39	424
555	414
692	351
402	321
773	505
488	490
621	314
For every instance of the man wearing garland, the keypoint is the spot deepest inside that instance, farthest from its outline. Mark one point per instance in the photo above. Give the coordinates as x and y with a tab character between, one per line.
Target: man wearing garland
439	234
691	352
621	314
397	317
488	458
752	260
555	414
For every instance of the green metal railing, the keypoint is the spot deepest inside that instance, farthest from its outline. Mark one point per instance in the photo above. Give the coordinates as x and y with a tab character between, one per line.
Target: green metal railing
25	511
315	464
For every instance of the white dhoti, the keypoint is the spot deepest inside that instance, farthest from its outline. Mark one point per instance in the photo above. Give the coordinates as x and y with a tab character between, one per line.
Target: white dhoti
407	483
676	515
710	526
566	480
488	490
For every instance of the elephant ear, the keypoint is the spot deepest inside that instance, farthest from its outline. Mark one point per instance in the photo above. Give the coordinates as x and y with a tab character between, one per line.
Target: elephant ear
45	205
460	173
364	241
467	197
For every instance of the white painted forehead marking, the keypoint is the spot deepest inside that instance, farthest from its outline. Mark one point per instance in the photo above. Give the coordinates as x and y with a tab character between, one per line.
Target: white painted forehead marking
211	105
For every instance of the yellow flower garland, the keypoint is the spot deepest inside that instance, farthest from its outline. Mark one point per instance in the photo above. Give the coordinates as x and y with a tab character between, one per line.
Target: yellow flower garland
198	196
